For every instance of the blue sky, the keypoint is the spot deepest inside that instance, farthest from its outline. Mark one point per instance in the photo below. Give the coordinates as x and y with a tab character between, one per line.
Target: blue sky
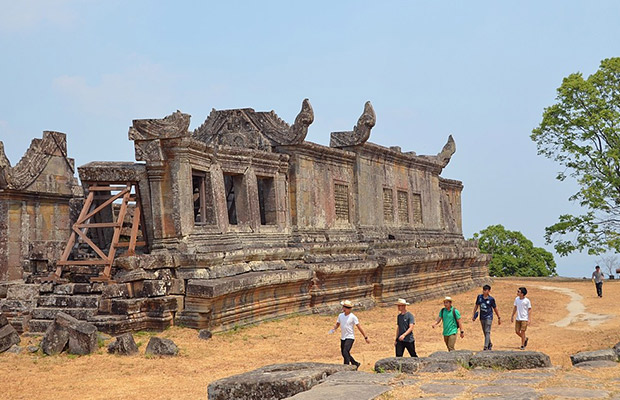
481	71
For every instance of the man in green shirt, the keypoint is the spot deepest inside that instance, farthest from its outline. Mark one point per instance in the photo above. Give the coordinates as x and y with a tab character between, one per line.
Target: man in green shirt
451	318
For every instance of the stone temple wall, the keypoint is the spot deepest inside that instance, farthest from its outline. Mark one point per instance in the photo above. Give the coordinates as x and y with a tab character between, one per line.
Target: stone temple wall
246	221
36	202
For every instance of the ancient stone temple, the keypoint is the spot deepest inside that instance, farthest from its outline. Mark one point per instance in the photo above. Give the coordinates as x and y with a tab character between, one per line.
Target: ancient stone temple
242	220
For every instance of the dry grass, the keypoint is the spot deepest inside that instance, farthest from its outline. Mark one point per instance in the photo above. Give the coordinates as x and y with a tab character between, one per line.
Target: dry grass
305	338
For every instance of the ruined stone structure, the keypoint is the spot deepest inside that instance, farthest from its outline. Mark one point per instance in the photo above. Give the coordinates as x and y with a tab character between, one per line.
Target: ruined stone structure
243	220
35	206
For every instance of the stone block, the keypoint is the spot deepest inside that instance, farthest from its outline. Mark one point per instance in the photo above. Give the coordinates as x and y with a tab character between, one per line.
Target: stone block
124	345
177	286
47	287
82	338
23	292
407	365
55	340
510	360
154	288
115	290
135	275
8	337
273	382
161	347
598	355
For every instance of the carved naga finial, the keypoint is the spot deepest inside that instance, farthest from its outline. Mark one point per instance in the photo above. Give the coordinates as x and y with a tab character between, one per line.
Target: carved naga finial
5	166
304	119
360	132
173	126
446	153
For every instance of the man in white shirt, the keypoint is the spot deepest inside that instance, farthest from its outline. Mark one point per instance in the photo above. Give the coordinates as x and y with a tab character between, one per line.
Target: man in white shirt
347	321
523	310
597	278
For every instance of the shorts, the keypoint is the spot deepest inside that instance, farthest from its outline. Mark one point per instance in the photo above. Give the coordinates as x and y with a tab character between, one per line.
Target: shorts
520	326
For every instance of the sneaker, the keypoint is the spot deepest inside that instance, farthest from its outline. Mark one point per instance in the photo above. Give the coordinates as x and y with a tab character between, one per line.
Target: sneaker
490	346
522	348
525	344
357	364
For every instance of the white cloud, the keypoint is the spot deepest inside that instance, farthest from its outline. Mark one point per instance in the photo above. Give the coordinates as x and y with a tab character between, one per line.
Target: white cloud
24	15
142	89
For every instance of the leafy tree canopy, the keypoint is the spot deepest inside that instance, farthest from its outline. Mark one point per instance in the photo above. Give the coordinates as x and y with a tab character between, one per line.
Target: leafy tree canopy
514	254
582	133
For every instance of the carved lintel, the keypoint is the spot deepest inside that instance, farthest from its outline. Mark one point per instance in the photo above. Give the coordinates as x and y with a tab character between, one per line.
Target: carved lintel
361	131
173	126
446	153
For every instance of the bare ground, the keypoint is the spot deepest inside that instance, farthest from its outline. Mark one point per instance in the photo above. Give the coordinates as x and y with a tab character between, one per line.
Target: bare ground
305	338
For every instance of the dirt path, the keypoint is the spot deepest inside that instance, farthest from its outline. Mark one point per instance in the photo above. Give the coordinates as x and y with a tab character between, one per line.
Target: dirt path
576	310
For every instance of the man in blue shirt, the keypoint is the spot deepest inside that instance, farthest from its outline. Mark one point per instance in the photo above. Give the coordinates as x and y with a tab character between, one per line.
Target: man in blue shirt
487	306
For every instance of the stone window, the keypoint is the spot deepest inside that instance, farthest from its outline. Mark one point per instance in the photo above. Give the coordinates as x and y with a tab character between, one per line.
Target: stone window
204	212
341	199
417	208
403	207
233	187
266	200
388	205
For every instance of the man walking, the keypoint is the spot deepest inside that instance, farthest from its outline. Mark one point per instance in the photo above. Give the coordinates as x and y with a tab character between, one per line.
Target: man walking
487	305
451	319
523	310
404	330
597	278
347	321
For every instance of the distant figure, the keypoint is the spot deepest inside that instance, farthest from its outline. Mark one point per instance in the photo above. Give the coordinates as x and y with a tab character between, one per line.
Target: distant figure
523	310
597	278
451	319
487	306
347	322
404	330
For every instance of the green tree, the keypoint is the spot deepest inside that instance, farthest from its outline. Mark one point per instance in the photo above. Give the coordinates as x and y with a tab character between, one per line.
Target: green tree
582	133
514	254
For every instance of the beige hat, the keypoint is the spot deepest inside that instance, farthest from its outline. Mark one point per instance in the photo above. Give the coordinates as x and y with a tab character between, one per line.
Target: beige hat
401	302
448	298
346	303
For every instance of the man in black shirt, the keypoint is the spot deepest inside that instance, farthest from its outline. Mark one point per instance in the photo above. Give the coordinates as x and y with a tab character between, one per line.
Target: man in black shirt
404	330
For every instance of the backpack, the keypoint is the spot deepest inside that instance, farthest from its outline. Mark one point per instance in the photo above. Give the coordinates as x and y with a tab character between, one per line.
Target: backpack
453	314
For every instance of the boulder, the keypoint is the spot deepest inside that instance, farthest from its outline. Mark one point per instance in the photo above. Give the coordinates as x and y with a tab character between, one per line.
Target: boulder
596	364
161	347
440	366
273	382
510	359
124	344
8	334
32	349
460	357
598	355
348	385
205	334
616	348
15	349
407	365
